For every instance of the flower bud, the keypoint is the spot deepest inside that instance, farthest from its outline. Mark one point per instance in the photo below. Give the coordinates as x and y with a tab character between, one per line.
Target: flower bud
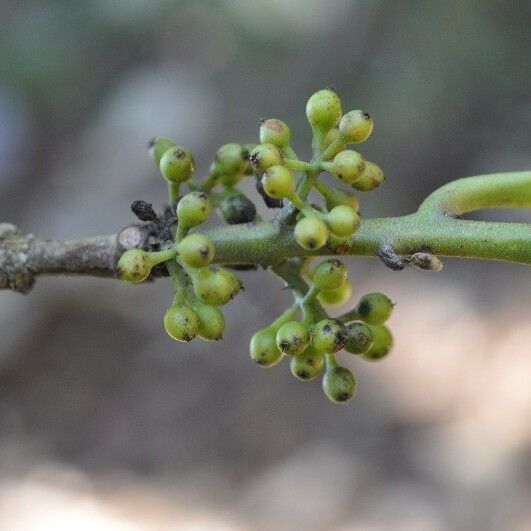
323	109
356	126
276	132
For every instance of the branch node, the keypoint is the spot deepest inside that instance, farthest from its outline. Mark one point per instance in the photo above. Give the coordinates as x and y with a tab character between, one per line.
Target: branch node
422	260
389	257
134	237
426	261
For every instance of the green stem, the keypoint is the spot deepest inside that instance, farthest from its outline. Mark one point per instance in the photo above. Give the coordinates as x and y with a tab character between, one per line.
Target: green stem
318	136
298	165
157	257
210	182
310	295
289	153
173	191
288	315
336	144
290	272
330	361
301	206
307	183
181	232
497	190
181	282
334	196
349	316
431	228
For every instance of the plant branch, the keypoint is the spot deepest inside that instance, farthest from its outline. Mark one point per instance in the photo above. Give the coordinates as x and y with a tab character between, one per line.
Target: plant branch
434	228
24	257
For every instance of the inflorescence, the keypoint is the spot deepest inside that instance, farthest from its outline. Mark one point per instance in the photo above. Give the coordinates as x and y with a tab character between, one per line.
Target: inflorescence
311	343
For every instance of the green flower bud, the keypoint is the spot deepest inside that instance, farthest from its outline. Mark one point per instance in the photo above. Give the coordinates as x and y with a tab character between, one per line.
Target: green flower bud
231	159
329	335
157	147
336	297
193	209
263	348
215	286
330	274
177	164
311	233
371	178
264	156
276	132
348	166
339	384
360	338
323	109
338	197
343	220
382	345
238	209
181	323
231	179
307	365
278	182
293	337
339	245
135	265
375	308
196	250
356	126
211	322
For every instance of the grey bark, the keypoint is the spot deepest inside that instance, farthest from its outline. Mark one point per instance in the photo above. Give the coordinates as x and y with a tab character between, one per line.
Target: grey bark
23	257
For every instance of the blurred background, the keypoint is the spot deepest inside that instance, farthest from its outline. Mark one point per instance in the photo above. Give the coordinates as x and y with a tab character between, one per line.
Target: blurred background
107	424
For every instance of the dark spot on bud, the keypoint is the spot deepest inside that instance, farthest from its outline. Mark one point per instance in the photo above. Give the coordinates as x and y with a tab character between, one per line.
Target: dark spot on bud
312	244
343	397
366	115
327	329
340	338
284	345
364	309
303	375
261	359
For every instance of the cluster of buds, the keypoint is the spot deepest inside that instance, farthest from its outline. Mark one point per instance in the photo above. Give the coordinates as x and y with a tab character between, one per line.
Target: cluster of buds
201	288
275	160
313	342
